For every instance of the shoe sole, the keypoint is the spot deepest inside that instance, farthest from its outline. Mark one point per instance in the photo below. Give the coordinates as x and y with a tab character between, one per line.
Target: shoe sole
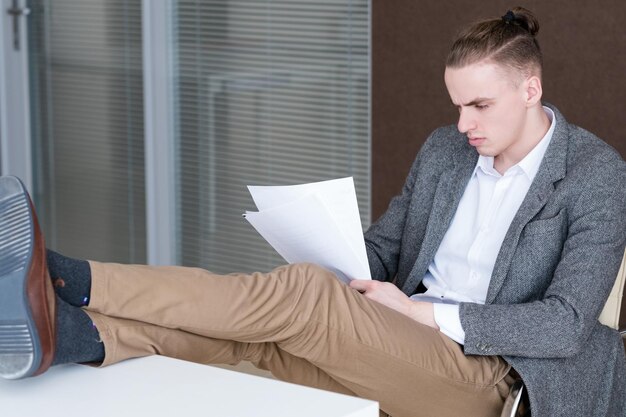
26	322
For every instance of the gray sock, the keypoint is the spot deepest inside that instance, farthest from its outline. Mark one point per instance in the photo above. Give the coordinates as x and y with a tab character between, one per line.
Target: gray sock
71	278
78	340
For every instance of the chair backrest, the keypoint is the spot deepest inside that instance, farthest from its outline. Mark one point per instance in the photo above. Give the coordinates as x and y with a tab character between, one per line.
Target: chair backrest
610	314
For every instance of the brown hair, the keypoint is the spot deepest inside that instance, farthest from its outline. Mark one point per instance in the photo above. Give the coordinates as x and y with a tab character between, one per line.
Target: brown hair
509	41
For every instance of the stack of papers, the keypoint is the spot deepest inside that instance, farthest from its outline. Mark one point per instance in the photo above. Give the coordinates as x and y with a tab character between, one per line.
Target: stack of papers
316	222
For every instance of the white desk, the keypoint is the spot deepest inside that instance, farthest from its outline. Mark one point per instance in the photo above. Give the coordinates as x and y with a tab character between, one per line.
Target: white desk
157	387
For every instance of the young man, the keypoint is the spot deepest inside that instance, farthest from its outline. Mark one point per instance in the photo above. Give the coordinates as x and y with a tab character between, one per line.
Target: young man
513	222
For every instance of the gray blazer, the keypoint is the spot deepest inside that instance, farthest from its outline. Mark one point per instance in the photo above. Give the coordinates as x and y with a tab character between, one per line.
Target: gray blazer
552	276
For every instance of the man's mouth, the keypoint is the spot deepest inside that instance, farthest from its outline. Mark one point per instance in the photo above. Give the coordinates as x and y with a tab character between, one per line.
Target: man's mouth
476	141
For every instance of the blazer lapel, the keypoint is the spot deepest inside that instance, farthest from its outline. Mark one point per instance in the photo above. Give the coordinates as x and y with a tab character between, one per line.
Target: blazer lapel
448	194
551	170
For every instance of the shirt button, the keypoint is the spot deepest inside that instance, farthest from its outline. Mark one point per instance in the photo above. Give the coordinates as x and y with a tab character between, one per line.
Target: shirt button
483	347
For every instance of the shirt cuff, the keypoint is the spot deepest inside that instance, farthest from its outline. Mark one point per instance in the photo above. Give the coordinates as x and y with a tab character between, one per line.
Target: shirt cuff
448	319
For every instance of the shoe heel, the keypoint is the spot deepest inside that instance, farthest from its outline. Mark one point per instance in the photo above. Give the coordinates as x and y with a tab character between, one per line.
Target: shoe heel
17	351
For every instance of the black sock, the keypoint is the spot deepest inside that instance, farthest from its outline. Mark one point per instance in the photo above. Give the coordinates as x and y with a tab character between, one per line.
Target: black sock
71	278
78	340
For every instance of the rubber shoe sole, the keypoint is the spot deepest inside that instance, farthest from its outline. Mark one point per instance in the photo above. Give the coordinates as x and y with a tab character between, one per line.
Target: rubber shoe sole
27	302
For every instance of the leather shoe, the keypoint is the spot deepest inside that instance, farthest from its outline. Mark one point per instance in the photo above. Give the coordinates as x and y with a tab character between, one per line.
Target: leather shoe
27	300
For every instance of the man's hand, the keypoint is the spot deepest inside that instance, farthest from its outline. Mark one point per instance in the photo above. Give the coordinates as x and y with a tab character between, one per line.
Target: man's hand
389	295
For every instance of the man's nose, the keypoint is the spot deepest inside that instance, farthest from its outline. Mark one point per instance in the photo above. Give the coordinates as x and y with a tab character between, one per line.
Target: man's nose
466	122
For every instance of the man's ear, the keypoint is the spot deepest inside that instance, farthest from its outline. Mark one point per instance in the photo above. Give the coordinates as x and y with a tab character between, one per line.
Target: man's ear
533	90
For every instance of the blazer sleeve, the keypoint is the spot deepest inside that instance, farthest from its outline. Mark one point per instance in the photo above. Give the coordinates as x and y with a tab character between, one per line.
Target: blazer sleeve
558	324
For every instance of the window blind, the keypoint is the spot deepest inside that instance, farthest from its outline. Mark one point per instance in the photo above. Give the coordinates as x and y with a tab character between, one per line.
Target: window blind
267	93
87	124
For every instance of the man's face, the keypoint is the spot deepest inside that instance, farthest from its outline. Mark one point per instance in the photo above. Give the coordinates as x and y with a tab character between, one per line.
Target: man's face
492	107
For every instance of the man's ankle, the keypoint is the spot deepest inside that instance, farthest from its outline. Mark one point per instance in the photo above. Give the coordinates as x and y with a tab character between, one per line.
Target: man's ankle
78	340
71	278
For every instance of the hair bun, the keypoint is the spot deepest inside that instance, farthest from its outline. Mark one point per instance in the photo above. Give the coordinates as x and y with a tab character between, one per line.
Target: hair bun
509	41
526	19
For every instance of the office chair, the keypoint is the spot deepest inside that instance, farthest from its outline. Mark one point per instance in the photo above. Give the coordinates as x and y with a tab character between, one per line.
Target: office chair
516	404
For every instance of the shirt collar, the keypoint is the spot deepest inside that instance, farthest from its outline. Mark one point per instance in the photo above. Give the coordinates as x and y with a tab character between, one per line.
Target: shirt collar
530	164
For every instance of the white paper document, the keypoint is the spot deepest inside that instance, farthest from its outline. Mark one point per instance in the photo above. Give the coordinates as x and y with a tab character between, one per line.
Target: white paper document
316	222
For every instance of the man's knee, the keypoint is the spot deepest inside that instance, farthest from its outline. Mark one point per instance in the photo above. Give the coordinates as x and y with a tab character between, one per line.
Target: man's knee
314	274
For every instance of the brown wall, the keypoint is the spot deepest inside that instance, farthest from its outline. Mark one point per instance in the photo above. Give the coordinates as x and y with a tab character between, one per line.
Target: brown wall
584	45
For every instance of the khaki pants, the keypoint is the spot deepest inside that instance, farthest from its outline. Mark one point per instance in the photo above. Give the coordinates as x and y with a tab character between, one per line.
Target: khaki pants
300	323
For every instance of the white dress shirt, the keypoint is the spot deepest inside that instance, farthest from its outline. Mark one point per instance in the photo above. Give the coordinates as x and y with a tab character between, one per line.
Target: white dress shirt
462	267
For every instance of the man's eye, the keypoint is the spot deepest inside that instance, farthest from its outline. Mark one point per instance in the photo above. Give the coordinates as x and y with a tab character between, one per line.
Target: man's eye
481	106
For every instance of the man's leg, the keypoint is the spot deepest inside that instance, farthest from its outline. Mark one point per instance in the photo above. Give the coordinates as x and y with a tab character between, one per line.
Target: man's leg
305	311
37	329
124	339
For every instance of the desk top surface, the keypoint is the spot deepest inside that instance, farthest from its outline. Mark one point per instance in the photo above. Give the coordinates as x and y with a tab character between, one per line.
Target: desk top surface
157	386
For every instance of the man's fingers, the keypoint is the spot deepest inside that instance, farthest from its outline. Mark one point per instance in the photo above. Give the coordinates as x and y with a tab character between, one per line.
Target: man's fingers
361	285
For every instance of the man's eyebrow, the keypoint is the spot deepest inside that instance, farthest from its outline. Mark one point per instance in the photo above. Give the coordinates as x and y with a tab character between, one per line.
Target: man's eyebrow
477	100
